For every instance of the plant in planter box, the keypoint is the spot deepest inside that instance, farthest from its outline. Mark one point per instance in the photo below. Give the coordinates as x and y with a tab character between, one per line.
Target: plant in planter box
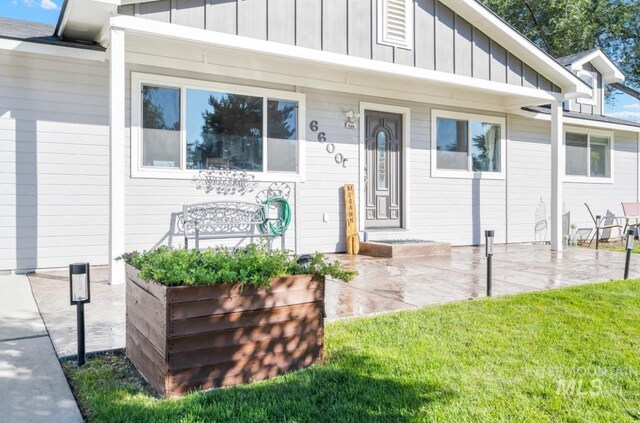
220	317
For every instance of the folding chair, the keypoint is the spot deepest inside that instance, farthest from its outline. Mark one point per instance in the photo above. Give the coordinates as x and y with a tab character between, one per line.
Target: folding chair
605	225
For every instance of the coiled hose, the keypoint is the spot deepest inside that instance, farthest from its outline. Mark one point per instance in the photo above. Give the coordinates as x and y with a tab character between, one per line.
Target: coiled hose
272	227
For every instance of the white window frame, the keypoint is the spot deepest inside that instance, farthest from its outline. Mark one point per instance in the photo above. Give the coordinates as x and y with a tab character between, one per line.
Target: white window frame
588	179
383	36
467	174
593	101
140	79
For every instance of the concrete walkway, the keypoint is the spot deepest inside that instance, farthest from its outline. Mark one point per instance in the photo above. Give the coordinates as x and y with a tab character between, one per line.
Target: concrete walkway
383	285
32	385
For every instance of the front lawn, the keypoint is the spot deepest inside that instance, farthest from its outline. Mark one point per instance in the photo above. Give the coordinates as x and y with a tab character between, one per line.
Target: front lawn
562	355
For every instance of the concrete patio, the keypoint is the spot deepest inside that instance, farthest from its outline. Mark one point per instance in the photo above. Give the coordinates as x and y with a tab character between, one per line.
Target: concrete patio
383	285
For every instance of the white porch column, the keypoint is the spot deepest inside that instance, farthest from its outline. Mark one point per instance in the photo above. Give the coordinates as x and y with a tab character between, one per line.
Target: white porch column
116	155
557	174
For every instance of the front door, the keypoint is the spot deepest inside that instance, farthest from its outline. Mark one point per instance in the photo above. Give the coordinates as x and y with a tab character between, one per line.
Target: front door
383	141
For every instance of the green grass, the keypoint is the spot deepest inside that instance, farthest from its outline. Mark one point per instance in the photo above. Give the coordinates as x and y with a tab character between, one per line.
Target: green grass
487	360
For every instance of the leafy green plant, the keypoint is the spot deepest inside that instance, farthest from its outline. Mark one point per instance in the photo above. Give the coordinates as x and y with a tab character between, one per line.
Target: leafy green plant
254	265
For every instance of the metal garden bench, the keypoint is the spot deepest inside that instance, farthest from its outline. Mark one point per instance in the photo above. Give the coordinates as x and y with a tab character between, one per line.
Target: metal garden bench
226	219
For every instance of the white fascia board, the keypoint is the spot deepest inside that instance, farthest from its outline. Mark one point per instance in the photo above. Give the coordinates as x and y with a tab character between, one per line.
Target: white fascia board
580	122
127	2
193	35
85	19
483	19
610	72
51	50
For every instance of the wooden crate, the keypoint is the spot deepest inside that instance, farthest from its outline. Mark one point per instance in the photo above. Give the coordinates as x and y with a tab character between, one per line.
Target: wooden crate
184	338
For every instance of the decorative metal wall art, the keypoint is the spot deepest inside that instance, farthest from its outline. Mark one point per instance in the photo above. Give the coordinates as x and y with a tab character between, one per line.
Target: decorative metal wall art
225	181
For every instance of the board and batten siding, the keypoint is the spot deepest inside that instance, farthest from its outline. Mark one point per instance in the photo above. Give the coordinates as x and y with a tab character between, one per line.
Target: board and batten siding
54	163
443	41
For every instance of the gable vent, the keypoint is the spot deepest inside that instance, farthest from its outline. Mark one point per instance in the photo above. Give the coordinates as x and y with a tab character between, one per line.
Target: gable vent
395	23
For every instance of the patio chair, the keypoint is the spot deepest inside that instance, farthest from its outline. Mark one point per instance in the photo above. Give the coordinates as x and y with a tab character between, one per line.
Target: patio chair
632	215
603	227
540	230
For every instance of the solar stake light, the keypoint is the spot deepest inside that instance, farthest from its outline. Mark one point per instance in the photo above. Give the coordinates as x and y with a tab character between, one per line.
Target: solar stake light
304	260
80	293
598	217
631	239
488	252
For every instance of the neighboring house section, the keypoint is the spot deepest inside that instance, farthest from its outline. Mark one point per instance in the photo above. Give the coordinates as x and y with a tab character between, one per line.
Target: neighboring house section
446	120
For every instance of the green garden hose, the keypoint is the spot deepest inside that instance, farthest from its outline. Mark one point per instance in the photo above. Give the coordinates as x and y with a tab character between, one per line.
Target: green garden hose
272	227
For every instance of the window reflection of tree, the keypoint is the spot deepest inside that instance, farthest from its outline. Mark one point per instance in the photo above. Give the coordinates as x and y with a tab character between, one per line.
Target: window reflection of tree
232	132
487	145
153	114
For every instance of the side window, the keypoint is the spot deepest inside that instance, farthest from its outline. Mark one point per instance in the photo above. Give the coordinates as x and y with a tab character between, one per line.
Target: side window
467	144
587	156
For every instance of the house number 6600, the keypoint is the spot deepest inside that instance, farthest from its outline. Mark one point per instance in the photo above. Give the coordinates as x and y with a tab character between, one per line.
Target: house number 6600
331	147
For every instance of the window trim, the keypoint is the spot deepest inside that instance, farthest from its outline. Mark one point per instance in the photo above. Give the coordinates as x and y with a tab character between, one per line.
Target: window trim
383	38
593	101
467	174
140	79
588	179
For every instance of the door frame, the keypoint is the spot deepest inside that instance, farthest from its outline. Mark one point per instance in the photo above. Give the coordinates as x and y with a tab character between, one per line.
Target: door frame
405	159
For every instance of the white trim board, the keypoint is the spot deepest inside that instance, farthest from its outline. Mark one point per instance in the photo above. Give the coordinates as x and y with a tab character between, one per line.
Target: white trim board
234	42
579	122
405	162
51	50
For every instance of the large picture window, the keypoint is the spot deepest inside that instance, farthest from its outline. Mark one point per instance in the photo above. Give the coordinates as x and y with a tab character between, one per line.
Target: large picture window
467	145
187	126
588	155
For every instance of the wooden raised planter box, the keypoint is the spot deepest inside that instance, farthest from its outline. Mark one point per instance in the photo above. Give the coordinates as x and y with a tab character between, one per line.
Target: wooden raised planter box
182	338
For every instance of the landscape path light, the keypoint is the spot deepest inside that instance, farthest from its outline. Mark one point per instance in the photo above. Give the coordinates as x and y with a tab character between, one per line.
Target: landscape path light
631	238
488	245
80	293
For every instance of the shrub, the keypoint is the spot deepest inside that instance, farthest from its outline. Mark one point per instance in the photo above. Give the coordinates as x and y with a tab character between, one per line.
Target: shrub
253	265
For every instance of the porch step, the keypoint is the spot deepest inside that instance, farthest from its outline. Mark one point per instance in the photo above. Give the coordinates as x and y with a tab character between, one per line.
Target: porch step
404	248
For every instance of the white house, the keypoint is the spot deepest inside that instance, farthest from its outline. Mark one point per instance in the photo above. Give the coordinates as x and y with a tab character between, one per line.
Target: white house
464	124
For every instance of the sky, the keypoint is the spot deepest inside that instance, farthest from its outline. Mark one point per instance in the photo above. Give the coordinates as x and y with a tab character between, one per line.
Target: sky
47	11
44	11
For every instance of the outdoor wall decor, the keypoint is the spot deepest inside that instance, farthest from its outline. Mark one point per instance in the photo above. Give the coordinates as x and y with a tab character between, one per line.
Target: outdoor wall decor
225	181
351	119
331	147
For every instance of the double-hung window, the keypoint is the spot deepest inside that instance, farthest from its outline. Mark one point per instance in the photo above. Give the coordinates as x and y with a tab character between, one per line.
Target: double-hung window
467	146
588	156
182	126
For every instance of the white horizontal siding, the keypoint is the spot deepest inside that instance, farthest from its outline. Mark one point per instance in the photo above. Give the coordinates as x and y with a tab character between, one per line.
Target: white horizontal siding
528	175
53	161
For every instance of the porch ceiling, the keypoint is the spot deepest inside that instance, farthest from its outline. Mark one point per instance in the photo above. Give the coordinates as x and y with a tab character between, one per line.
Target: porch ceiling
295	66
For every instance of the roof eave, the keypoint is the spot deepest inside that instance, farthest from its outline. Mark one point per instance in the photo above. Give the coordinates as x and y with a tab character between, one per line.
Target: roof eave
610	72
